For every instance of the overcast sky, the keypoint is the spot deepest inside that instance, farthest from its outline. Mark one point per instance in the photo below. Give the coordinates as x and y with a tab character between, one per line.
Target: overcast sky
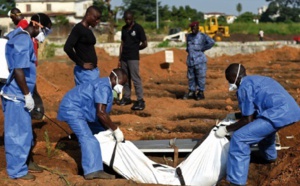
224	6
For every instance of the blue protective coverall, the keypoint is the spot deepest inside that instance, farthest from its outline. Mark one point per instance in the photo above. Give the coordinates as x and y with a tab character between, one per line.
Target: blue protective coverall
17	120
85	76
275	109
197	44
82	76
77	108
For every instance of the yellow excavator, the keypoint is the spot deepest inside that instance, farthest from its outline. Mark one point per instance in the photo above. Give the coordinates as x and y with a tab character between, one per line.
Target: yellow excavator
214	30
211	28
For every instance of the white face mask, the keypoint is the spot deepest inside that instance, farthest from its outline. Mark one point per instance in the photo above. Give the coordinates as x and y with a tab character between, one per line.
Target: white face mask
233	86
40	37
118	88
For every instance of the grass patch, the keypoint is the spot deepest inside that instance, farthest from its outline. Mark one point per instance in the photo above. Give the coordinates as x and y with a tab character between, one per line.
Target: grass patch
50	150
168	44
268	28
49	50
164	44
60	175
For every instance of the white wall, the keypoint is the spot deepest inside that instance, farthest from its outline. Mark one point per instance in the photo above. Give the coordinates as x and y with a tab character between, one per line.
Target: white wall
7	23
78	7
42	6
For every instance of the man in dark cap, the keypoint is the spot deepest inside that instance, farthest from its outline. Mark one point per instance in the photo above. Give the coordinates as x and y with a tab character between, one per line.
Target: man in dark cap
197	44
17	100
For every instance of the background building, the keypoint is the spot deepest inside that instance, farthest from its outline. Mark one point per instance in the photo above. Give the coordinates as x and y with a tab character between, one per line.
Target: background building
73	10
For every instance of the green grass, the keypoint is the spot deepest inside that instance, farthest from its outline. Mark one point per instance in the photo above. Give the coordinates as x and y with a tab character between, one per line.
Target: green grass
51	151
269	28
163	44
242	28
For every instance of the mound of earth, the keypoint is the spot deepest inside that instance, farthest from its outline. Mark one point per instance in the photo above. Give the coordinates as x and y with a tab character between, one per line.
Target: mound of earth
166	115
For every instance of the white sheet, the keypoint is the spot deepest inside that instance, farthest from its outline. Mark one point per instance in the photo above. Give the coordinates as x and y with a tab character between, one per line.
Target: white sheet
3	64
206	165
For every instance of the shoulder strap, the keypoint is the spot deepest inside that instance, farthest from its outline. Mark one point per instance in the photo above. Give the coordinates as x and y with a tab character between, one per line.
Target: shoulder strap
180	176
111	163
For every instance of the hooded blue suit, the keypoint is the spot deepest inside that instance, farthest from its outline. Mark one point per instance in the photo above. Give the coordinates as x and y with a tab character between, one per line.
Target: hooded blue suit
17	120
78	109
275	109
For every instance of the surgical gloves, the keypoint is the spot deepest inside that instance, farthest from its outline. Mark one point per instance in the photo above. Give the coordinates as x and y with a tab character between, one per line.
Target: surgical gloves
118	134
221	132
29	102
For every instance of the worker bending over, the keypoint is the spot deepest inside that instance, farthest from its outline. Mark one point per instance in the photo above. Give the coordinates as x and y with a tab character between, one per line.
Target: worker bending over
86	103
265	107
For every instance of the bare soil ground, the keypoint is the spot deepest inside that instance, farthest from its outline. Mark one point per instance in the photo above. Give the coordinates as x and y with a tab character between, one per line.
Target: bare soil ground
166	115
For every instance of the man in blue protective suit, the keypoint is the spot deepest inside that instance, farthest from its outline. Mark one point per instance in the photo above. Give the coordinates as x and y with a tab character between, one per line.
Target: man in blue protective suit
87	103
197	44
265	108
17	99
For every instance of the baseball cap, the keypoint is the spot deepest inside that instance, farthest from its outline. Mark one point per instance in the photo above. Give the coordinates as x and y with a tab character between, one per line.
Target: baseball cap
194	24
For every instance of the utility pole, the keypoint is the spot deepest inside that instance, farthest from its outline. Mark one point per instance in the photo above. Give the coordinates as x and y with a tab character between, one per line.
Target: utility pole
157	16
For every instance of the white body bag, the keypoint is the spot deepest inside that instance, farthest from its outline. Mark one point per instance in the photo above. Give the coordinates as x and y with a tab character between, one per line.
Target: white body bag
205	166
4	73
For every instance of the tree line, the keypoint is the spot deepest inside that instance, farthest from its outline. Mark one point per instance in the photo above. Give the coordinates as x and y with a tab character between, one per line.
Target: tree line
277	11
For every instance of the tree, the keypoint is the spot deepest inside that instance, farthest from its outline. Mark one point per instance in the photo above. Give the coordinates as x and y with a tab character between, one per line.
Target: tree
222	20
286	3
179	16
191	13
164	12
61	20
6	5
145	9
288	14
239	8
246	17
108	15
282	11
104	6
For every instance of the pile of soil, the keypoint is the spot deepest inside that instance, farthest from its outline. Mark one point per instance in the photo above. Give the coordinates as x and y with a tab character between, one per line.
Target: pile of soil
166	115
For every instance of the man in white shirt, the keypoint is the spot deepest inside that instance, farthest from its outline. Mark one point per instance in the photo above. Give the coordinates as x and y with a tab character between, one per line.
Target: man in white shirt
261	35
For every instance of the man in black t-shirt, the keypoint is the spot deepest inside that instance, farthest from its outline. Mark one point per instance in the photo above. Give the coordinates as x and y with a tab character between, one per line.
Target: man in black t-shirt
133	39
80	47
